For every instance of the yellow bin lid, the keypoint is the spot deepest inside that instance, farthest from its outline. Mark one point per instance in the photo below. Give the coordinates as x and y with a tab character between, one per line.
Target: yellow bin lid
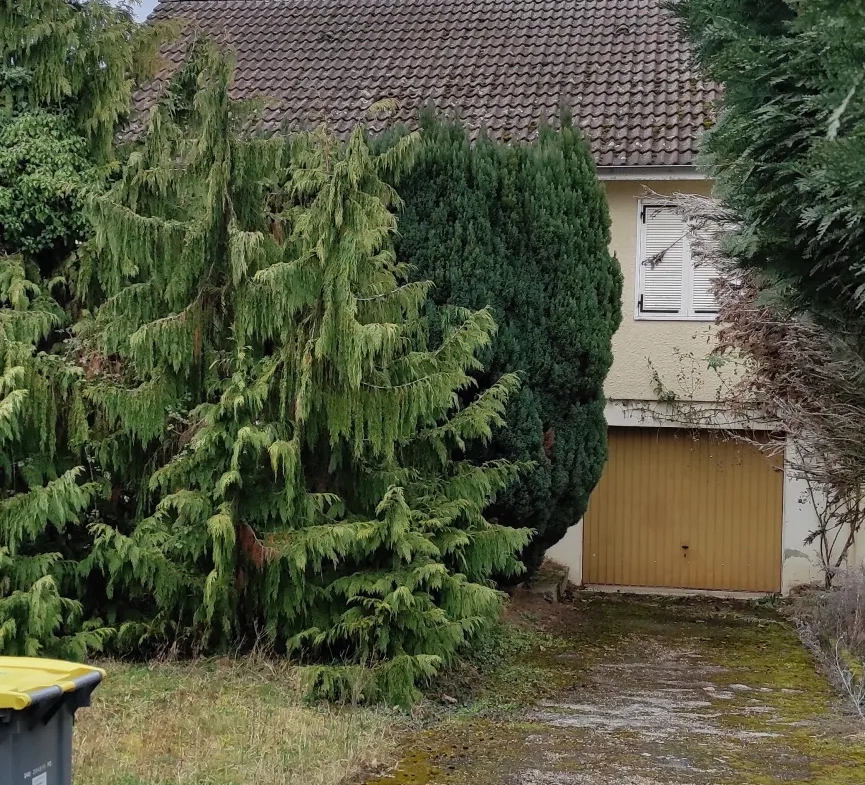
28	680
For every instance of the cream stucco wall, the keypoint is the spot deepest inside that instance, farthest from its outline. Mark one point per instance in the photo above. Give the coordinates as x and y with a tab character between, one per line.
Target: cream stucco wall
676	349
801	562
569	552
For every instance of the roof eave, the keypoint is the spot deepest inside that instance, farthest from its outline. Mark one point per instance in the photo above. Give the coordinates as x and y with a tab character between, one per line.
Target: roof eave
650	173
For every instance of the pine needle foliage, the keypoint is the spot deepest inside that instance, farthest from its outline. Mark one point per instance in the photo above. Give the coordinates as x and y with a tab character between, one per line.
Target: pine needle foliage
65	77
524	230
81	58
42	496
264	358
788	147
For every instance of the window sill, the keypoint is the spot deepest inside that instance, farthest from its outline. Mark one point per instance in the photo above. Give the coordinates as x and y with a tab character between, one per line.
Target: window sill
645	317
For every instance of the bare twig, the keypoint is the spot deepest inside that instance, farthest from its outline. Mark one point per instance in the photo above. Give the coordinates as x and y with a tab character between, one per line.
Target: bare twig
831	624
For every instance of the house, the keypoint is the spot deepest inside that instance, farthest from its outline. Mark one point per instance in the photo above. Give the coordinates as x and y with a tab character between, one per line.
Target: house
676	508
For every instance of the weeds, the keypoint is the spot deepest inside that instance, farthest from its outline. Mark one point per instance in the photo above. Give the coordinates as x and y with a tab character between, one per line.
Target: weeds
831	623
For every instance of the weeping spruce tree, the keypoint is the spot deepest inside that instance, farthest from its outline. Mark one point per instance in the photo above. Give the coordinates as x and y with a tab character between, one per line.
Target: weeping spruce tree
66	72
524	230
264	356
43	495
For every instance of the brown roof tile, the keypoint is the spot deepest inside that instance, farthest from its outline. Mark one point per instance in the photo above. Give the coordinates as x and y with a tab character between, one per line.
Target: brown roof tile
501	65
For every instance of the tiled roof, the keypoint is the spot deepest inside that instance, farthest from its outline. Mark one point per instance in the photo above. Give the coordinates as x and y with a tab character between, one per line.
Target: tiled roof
503	65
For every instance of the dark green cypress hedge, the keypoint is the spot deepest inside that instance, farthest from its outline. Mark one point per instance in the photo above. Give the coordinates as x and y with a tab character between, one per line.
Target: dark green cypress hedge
525	229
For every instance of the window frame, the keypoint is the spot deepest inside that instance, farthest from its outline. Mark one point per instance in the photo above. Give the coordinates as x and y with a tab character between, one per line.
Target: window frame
686	313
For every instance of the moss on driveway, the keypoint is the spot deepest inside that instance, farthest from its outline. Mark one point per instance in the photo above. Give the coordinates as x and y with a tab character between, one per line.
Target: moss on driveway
606	690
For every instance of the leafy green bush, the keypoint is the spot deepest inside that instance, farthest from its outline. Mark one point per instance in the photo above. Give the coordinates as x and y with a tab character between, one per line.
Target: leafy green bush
44	176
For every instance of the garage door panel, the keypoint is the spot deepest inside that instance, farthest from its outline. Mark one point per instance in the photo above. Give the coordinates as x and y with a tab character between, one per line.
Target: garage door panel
679	511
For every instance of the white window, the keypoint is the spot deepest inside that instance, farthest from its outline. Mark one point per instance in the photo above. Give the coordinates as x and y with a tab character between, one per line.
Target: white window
669	284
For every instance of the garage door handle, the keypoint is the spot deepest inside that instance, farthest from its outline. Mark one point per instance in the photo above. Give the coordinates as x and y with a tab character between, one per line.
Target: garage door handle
685	547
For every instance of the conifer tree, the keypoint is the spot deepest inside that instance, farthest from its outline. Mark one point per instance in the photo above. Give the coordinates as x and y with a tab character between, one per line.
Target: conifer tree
265	363
80	58
788	148
41	421
524	230
65	74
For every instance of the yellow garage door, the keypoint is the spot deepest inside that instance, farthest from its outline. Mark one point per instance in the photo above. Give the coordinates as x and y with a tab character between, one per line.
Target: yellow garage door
688	511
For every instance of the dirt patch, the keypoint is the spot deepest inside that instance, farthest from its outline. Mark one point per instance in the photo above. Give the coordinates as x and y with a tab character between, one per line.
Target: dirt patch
644	691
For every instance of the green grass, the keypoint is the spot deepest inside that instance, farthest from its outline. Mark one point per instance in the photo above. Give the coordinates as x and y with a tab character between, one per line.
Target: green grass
224	722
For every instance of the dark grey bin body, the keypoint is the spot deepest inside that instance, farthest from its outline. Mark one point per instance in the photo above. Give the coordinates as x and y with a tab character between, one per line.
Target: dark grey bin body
36	742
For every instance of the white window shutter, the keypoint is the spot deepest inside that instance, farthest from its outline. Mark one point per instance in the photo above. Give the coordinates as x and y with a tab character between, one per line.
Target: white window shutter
663	263
703	298
703	275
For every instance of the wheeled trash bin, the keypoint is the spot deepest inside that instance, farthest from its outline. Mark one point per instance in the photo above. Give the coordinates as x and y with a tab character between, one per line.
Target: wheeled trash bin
38	701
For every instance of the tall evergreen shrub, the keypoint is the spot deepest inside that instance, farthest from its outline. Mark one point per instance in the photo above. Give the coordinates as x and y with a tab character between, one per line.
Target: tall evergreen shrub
788	147
264	362
66	71
524	230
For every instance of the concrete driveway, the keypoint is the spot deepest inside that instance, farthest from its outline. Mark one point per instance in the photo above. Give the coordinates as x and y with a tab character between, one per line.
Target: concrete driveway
605	690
